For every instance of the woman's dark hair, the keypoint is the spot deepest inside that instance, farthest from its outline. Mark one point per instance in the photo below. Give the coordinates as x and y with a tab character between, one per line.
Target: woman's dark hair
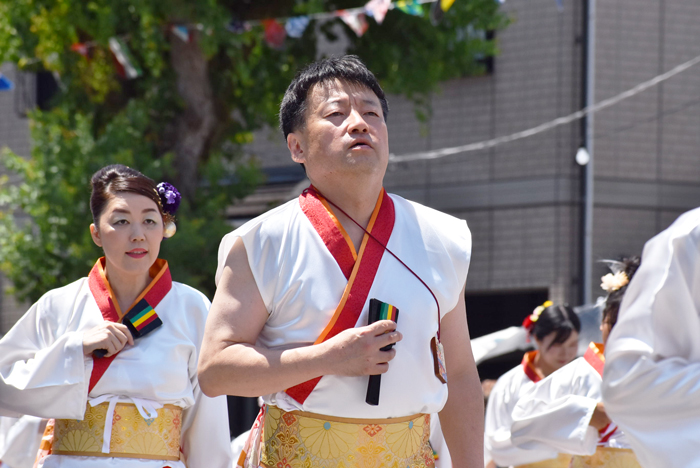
348	69
110	180
556	318
629	266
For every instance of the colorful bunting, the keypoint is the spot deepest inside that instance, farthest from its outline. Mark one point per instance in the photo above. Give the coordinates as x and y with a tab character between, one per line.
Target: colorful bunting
410	7
80	48
5	83
356	21
127	65
296	26
446	4
274	33
378	8
237	27
181	32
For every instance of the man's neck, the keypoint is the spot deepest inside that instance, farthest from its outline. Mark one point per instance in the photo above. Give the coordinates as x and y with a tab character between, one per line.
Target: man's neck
357	201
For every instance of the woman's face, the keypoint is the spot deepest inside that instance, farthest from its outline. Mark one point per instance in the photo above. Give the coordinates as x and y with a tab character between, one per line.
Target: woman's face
130	230
554	356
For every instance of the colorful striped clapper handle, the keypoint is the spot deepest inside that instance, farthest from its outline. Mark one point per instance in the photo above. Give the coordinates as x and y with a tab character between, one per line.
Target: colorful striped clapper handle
379	310
140	320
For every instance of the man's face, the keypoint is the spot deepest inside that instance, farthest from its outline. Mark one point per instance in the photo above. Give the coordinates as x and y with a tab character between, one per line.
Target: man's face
345	133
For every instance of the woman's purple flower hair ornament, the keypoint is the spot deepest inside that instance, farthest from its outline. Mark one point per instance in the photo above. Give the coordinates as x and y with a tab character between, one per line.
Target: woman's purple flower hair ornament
170	201
169	197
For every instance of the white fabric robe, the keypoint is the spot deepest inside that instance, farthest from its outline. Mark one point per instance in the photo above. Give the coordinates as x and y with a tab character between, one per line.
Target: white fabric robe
651	382
301	285
555	414
19	440
498	445
43	372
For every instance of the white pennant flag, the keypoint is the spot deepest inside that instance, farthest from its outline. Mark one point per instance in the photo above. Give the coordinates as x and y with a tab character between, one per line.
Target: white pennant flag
378	9
356	21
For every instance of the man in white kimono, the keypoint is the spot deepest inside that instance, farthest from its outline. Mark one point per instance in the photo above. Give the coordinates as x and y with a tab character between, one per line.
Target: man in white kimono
289	319
651	382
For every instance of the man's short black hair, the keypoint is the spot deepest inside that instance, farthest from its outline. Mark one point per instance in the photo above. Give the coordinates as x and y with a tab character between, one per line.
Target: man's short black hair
348	69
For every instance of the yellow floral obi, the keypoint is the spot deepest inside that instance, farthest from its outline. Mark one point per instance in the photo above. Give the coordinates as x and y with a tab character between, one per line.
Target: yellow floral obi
608	457
299	439
132	436
562	461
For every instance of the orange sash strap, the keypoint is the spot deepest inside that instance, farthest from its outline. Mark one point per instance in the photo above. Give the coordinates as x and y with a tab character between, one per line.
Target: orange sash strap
529	366
99	287
362	267
595	357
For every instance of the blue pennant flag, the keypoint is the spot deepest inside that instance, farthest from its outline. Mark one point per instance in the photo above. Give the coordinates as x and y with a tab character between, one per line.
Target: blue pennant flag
5	83
560	5
296	26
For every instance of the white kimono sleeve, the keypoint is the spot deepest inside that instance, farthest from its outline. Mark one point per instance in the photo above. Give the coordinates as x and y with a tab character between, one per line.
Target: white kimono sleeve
651	384
497	435
206	438
556	413
43	371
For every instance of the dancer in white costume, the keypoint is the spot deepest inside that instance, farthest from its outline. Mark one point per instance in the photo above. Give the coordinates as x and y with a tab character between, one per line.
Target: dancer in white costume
289	319
555	329
651	383
564	412
139	405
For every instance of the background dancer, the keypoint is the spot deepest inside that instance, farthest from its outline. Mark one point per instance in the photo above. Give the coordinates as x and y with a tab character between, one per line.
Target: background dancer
651	384
564	411
555	329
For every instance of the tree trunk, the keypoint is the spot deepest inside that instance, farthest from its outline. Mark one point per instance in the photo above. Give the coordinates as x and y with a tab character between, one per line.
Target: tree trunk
197	123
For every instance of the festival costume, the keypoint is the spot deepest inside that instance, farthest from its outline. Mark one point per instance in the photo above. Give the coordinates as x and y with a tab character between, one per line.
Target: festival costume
141	408
555	415
652	372
314	284
19	440
498	445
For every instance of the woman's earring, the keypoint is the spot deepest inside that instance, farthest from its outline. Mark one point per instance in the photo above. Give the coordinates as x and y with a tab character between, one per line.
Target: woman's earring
170	230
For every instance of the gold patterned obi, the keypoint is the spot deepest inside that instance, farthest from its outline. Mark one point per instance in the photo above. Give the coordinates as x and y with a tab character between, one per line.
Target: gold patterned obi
299	439
608	457
562	461
132	436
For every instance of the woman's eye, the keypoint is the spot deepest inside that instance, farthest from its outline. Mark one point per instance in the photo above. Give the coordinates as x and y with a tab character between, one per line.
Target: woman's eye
373	114
335	114
151	221
121	221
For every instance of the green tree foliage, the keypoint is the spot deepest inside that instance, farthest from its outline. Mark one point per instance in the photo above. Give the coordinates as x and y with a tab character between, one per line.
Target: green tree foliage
186	118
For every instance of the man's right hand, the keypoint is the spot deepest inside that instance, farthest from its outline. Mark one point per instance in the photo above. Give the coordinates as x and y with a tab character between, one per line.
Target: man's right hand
107	335
357	351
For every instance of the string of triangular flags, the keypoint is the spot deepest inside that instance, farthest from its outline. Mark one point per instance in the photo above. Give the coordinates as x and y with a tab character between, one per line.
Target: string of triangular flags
276	30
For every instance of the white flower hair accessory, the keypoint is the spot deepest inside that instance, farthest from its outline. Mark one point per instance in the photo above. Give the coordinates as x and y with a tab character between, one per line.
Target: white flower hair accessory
612	282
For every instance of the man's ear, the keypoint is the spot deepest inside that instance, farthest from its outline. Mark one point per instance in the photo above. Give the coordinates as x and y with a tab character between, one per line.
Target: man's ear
95	235
297	148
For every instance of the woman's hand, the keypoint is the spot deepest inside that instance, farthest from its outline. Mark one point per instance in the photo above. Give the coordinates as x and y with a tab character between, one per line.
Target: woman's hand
107	335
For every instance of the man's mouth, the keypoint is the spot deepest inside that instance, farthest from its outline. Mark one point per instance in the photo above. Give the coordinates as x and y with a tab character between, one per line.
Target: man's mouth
361	144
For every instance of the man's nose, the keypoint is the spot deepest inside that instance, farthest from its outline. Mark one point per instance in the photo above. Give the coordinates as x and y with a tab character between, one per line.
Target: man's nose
357	123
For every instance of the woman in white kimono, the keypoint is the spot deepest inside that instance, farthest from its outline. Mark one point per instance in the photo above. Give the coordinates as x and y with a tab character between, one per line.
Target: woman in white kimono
112	357
564	411
555	329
